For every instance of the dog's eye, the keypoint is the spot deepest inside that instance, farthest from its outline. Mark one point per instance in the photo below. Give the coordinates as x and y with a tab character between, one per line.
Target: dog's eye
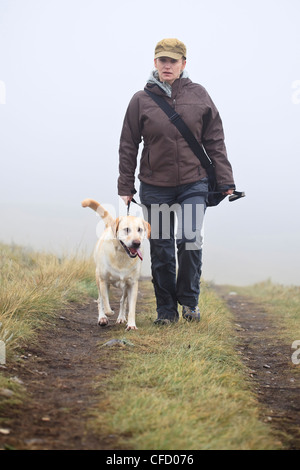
127	230
140	229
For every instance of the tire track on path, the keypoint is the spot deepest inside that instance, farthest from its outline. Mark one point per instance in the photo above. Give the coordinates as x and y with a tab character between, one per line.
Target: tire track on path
276	380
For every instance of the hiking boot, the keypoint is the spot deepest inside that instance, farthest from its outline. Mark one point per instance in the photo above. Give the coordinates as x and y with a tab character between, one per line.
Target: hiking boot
162	321
165	321
190	313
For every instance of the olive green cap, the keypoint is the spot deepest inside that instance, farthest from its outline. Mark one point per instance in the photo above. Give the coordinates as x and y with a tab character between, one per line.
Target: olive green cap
171	47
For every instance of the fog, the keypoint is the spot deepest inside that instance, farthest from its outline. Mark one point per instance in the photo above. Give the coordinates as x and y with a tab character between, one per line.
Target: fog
68	69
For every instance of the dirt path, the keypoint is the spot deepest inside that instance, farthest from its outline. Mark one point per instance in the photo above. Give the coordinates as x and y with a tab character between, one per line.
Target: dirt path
276	379
60	370
59	373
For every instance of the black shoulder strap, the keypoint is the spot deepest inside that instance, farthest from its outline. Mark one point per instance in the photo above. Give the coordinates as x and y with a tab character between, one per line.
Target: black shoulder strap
177	120
197	148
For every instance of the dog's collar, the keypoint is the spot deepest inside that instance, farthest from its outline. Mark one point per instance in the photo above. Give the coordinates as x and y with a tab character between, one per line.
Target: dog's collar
131	255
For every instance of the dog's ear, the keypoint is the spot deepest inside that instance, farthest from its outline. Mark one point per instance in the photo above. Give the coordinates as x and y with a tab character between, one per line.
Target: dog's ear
147	227
115	226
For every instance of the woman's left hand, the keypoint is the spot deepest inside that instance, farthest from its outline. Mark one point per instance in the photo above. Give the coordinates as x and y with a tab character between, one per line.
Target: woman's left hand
227	193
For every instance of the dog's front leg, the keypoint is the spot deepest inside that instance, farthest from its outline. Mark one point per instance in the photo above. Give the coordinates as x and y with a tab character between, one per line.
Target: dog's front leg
123	303
104	290
102	318
104	307
132	296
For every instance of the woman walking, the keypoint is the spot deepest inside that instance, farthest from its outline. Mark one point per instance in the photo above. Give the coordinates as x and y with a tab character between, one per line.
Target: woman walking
171	177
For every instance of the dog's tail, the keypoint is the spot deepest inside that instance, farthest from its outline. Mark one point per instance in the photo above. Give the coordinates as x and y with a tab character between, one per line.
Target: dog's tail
107	218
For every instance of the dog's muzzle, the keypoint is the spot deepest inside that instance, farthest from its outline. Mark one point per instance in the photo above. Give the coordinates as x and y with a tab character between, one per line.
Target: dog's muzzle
132	252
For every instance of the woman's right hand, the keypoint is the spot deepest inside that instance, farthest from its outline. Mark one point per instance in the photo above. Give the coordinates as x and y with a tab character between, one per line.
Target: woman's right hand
126	199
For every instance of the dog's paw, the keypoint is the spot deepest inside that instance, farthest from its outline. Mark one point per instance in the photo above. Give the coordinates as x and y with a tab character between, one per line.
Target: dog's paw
130	327
121	320
103	322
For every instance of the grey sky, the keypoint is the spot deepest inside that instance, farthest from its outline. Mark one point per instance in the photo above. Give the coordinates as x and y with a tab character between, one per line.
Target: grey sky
68	69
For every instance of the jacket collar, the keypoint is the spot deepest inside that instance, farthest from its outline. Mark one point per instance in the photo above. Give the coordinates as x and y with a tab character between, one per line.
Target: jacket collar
164	86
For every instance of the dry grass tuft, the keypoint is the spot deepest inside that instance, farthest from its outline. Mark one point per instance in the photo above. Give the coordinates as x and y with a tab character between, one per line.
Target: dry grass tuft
35	286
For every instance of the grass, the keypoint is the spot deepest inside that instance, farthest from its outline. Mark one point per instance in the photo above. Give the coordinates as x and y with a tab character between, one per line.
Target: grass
177	387
181	387
35	286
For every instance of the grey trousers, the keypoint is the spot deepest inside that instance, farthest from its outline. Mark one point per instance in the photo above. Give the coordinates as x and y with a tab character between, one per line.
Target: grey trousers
164	208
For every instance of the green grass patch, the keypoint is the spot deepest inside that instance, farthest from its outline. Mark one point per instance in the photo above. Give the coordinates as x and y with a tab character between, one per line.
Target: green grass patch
11	394
181	386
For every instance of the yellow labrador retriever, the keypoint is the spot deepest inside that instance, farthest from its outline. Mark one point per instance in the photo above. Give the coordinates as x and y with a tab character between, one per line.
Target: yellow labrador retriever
118	256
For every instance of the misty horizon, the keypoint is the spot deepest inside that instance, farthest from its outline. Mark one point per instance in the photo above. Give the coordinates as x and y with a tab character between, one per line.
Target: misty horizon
68	70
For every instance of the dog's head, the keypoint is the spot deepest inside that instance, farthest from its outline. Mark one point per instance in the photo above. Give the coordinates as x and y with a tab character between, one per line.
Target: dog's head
131	231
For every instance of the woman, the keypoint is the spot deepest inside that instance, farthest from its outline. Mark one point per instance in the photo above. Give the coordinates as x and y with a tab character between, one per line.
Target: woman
172	177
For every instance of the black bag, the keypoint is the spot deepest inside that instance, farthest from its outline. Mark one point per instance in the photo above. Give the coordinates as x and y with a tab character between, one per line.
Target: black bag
214	197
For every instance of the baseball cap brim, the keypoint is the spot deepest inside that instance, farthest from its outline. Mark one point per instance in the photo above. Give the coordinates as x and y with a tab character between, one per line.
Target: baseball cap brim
171	55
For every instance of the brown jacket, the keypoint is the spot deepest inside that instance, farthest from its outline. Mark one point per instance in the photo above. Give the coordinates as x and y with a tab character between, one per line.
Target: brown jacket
167	159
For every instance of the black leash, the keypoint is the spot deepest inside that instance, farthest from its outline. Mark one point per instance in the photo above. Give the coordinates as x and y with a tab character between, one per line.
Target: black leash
233	197
129	202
